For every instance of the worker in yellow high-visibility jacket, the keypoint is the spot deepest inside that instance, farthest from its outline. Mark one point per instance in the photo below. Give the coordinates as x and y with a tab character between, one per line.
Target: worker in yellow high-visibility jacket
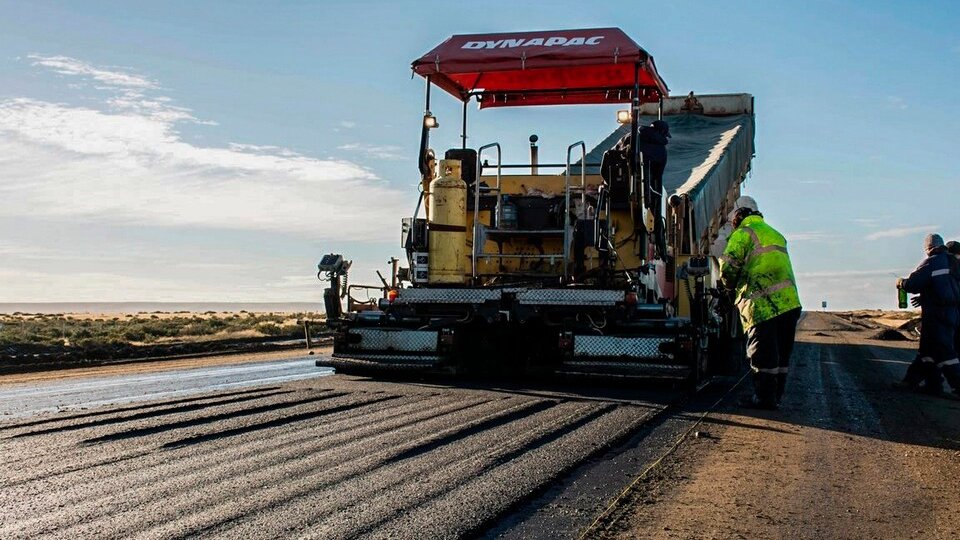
755	266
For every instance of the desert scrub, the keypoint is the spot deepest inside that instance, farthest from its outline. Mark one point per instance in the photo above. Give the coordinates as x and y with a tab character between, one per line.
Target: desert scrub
274	329
74	330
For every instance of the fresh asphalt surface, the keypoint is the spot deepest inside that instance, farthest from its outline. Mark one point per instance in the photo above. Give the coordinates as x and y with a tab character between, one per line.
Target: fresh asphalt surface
279	450
53	396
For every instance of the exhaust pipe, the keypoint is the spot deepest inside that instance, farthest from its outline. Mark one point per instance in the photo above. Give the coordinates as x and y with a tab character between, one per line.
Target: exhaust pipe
534	154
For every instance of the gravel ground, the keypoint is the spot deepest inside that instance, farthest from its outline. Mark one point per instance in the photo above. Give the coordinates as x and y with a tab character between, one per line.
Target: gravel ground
845	457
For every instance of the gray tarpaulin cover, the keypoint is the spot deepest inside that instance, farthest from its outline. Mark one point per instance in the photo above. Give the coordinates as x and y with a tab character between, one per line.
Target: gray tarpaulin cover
705	157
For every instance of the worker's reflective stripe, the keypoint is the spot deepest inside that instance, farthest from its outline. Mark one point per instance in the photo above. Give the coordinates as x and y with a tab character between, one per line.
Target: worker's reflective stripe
761	274
951	362
941	272
766	249
769	371
927	360
786	284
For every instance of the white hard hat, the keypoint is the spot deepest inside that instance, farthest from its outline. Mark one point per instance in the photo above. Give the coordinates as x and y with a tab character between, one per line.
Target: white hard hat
744	201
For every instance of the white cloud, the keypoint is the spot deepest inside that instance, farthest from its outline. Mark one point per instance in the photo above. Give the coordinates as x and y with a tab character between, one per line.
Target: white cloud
128	164
130	90
867	222
843	274
66	65
297	281
25	285
9	248
809	236
262	149
374	151
109	286
348	124
902	232
896	102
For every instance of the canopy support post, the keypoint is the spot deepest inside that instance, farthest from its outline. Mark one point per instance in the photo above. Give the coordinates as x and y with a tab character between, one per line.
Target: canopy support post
426	107
463	135
634	120
422	160
637	181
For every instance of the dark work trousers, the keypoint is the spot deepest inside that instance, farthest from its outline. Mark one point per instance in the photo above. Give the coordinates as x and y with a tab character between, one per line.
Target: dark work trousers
954	371
654	197
654	173
769	345
937	353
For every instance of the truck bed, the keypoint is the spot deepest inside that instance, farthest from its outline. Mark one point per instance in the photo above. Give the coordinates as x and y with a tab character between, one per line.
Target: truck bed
708	152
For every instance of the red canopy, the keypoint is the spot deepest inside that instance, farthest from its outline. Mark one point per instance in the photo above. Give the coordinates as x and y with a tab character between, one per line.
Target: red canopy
554	67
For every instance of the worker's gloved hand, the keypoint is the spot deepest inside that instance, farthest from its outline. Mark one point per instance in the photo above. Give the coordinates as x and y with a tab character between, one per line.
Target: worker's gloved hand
915	301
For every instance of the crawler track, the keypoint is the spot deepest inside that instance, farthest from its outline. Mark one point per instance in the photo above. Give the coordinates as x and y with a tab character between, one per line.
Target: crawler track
334	457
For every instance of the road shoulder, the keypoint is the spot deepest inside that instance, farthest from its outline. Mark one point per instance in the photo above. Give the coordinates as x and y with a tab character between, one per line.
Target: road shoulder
845	457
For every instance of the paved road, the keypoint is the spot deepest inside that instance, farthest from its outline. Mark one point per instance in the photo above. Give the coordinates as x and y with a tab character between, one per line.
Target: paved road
58	395
321	457
267	450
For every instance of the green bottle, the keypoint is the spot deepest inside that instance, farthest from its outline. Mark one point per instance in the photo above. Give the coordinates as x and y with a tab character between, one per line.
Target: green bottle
902	297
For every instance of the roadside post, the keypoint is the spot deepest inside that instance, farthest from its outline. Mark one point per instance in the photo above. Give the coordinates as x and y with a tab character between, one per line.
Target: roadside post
306	333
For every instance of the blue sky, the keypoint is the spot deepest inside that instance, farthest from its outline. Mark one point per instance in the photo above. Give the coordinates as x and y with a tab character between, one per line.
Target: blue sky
206	151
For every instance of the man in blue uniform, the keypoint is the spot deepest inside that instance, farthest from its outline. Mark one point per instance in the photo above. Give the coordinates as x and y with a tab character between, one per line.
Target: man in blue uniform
935	280
953	248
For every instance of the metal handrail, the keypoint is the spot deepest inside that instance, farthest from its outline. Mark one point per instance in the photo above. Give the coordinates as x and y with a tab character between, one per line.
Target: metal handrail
543	165
566	194
476	203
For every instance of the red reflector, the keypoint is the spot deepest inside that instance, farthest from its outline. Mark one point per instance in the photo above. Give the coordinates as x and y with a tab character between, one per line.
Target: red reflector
392	295
566	342
630	299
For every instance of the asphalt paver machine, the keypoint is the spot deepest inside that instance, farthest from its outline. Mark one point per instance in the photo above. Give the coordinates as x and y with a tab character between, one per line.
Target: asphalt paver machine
583	268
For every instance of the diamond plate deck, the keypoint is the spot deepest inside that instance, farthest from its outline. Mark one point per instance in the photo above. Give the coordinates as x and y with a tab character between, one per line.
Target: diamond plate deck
447	296
400	340
569	297
620	347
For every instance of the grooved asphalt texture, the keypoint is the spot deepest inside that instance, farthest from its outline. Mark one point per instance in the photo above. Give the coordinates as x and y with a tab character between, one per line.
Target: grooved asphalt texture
334	457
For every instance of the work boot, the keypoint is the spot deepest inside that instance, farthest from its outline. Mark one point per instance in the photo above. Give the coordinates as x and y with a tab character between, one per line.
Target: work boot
754	402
